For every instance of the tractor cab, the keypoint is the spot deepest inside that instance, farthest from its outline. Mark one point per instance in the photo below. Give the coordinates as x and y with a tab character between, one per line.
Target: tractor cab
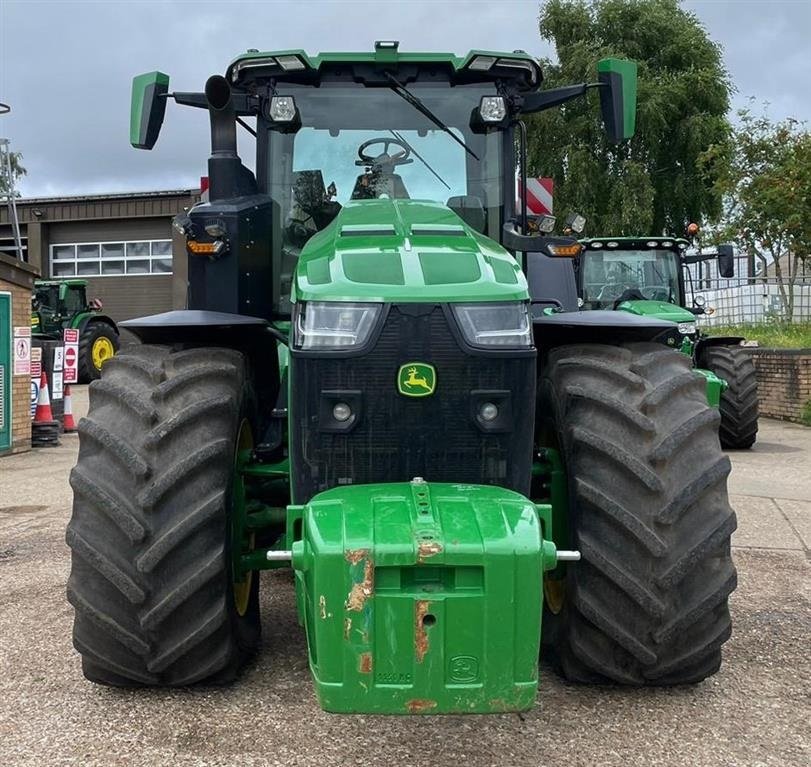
55	303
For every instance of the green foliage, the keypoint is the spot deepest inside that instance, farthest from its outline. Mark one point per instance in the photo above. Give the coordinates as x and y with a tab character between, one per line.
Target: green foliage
17	170
765	175
651	184
805	418
775	336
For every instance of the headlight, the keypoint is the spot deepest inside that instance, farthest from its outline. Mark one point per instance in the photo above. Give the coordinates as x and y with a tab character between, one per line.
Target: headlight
687	328
503	325
321	325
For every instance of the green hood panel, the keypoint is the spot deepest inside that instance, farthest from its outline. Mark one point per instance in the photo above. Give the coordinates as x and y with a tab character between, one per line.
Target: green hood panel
660	309
405	251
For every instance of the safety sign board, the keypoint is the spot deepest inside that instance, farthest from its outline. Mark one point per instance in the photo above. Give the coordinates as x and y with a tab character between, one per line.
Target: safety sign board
22	351
36	373
59	358
71	358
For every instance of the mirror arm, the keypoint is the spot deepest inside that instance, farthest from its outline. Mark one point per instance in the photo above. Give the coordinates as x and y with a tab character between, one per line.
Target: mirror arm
537	102
243	103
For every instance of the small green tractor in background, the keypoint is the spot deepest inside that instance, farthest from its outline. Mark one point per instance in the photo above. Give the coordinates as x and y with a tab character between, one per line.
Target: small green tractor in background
60	304
361	389
645	276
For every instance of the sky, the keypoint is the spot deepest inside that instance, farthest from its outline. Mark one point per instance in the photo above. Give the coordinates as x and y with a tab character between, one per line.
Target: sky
66	67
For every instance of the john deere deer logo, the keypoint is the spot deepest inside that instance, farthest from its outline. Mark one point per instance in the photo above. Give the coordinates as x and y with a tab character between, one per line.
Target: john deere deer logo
416	379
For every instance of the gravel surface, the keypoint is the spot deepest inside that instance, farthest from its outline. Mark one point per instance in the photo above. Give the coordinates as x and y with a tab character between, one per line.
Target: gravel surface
756	711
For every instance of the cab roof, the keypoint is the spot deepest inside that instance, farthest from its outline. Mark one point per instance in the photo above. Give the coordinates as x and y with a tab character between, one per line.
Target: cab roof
296	64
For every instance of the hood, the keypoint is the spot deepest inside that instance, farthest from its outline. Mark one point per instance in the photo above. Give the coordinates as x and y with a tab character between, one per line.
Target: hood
402	251
661	309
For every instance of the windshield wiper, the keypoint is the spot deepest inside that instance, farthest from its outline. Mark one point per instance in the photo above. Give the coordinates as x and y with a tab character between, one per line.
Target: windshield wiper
408	96
416	154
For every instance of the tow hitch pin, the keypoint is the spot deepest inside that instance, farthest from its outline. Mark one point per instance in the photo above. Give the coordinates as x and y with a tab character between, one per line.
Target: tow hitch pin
568	556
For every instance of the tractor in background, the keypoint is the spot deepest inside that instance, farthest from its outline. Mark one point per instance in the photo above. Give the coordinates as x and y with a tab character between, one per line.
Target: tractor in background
645	276
60	304
361	390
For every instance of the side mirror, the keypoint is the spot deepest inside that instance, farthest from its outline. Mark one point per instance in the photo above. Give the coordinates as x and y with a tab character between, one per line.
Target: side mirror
149	92
618	97
726	261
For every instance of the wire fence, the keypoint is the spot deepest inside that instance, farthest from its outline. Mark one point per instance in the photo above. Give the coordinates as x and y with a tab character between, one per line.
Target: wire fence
752	296
755	302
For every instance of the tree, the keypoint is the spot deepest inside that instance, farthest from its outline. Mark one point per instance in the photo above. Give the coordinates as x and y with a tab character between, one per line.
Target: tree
651	184
17	171
765	177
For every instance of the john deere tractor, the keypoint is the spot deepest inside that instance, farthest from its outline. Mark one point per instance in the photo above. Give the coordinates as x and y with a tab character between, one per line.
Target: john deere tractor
646	276
358	391
60	304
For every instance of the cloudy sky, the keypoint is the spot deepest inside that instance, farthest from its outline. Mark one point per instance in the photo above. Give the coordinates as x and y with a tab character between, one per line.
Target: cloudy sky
66	67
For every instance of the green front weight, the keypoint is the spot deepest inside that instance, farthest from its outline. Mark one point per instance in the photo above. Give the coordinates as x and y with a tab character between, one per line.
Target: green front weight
422	598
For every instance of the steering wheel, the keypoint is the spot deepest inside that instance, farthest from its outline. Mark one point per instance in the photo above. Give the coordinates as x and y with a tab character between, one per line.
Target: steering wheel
656	293
629	294
611	290
383	160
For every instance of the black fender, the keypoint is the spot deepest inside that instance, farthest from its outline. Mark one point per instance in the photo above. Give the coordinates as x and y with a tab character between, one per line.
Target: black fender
195	326
598	326
706	341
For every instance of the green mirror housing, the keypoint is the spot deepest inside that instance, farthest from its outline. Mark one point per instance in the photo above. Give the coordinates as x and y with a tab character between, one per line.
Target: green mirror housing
148	108
618	97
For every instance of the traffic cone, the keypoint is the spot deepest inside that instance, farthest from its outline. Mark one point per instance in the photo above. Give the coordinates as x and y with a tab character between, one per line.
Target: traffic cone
43	412
44	429
68	423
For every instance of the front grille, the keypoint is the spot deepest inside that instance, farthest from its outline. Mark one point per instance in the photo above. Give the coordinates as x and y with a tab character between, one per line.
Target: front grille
398	438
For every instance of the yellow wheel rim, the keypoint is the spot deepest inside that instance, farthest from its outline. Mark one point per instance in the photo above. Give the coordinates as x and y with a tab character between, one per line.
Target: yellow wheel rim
102	350
242	589
554	592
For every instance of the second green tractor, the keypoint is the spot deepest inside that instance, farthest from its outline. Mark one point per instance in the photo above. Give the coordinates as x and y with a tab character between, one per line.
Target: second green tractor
360	390
645	276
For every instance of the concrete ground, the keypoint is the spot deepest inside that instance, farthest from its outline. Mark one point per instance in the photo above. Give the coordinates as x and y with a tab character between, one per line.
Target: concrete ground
756	711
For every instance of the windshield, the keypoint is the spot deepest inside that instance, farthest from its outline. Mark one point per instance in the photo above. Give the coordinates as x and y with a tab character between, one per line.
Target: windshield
361	143
609	276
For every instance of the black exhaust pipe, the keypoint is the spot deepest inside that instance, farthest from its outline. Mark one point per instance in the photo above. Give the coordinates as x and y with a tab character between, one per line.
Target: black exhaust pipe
224	165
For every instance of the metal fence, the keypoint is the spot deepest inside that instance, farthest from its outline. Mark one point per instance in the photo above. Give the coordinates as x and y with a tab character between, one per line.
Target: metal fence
750	296
751	302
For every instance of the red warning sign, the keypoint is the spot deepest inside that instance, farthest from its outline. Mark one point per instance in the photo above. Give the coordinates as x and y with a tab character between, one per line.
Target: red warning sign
71	356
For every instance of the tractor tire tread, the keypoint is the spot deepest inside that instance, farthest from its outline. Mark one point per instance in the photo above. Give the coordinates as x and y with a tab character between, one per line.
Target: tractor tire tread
648	602
150	564
739	402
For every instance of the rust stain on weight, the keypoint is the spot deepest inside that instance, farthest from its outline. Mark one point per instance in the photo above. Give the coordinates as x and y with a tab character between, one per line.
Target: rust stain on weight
353	556
362	591
365	664
426	549
421	607
420	705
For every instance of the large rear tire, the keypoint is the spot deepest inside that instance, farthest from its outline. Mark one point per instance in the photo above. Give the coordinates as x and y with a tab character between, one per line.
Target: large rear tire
648	602
150	576
739	402
98	343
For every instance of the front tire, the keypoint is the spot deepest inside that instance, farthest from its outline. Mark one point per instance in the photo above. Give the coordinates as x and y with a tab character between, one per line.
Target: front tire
648	602
739	402
150	576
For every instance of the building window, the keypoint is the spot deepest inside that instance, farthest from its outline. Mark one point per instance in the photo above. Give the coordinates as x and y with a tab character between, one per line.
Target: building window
110	259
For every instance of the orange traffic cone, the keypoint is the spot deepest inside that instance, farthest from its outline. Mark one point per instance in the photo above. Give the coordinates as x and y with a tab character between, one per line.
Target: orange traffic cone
43	412
67	419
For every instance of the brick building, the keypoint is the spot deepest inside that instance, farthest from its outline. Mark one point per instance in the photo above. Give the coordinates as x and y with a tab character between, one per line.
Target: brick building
16	284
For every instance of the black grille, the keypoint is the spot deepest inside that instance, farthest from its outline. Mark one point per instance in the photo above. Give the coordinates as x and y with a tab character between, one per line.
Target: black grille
398	438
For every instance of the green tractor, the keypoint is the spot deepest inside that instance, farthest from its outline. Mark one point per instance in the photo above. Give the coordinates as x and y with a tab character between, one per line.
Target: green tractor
60	304
645	276
361	391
